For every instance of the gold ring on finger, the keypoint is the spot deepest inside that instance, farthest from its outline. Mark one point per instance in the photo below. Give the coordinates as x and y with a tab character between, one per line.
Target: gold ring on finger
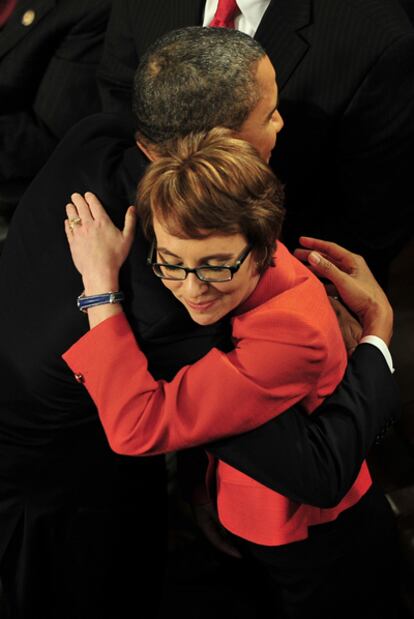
74	221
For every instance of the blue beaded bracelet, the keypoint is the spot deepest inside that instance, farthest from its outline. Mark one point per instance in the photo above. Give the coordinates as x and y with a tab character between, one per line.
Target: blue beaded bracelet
84	302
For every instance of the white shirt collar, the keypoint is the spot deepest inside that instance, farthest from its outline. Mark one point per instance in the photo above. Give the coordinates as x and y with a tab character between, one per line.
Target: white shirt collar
248	21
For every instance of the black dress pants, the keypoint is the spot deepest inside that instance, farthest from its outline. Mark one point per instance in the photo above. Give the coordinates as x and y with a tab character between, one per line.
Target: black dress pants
346	568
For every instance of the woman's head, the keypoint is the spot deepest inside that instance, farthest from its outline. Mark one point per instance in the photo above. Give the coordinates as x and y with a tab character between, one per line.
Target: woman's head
205	202
214	183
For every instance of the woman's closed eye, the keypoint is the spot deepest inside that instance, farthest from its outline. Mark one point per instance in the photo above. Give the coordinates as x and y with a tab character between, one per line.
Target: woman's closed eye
215	263
163	260
170	267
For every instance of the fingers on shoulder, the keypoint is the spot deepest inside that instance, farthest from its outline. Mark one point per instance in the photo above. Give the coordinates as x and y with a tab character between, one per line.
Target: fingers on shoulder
71	210
87	206
95	206
340	256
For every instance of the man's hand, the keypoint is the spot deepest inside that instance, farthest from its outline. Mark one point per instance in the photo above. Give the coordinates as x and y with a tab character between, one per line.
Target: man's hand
354	282
206	518
350	328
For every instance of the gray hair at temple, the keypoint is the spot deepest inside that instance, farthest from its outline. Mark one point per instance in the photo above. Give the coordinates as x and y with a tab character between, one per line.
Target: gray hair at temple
194	79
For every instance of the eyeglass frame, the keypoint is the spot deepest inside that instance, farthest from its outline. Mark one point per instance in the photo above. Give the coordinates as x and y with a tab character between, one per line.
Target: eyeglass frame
232	268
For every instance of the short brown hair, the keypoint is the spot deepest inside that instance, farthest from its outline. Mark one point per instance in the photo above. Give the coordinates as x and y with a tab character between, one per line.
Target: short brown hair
211	183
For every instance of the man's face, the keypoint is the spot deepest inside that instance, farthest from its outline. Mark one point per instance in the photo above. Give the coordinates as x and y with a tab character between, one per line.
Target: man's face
264	122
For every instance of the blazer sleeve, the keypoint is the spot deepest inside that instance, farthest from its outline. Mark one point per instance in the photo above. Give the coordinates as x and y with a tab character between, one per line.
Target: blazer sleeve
315	459
219	395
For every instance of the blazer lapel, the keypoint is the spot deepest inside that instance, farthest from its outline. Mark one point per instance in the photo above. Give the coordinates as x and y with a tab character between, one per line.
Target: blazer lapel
283	32
15	30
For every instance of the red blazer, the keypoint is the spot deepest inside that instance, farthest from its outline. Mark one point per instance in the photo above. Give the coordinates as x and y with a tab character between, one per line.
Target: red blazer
288	348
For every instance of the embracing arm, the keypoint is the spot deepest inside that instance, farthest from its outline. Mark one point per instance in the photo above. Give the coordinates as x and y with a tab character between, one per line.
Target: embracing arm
315	459
216	396
219	395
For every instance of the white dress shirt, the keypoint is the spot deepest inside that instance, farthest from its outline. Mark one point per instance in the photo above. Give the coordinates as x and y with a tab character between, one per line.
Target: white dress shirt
249	19
381	345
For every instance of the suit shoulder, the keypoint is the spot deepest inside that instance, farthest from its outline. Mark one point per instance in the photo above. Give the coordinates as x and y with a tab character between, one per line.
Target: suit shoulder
91	157
384	20
101	132
103	125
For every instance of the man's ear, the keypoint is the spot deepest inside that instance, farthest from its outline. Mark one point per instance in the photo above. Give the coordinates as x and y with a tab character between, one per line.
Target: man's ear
148	151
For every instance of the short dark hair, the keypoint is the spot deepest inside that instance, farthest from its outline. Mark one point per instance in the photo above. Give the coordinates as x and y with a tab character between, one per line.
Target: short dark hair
194	79
214	183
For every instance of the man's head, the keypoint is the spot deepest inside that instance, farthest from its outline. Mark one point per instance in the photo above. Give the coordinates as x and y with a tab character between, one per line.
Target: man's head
195	79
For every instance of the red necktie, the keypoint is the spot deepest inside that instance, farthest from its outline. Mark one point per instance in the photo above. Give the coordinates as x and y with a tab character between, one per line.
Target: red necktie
6	9
225	14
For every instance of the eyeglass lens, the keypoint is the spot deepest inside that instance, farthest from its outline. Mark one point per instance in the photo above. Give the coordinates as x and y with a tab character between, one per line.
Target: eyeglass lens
203	273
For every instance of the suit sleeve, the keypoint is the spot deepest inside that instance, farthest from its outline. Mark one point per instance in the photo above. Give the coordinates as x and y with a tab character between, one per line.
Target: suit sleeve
315	459
375	150
219	395
67	93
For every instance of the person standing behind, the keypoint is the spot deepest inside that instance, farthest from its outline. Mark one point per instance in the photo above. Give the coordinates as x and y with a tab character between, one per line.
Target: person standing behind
49	52
64	528
225	260
345	73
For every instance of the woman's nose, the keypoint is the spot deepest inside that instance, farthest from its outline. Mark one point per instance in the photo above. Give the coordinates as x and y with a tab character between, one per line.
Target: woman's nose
194	286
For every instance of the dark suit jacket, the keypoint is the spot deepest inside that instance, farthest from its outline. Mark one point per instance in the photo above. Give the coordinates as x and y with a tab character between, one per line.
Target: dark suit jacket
69	506
47	83
409	9
43	408
345	72
62	490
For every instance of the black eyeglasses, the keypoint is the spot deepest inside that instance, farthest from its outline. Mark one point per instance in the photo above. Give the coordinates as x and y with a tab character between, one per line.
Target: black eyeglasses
205	274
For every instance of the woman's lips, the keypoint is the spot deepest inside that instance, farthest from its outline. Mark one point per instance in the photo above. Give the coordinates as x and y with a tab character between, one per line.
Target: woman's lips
200	307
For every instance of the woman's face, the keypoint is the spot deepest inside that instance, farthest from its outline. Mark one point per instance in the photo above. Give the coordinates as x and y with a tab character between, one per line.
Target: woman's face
207	302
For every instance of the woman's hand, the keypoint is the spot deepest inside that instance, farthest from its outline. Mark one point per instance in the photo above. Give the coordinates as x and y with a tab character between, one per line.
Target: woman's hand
354	282
98	247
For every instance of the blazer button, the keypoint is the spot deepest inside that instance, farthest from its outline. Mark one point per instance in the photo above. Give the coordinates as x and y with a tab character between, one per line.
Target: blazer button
28	18
80	378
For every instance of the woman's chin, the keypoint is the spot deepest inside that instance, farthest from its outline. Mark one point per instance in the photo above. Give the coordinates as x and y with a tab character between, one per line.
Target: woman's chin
203	320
